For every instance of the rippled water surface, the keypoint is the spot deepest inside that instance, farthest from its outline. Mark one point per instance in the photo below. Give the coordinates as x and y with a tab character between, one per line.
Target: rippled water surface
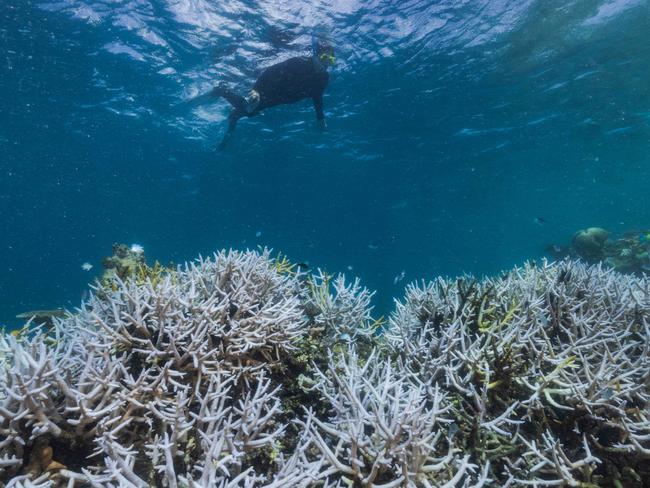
453	125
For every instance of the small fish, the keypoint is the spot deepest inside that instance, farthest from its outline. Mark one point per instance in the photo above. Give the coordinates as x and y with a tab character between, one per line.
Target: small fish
136	249
302	266
258	234
43	317
373	246
540	221
399	277
39	314
349	267
607	393
86	266
345	337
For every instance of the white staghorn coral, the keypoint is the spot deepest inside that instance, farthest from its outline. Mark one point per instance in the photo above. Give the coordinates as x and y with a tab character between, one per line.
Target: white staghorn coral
155	380
342	310
232	372
387	428
549	366
234	310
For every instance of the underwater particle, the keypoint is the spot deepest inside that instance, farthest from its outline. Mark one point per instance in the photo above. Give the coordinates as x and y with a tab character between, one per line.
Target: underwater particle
399	205
136	249
258	234
399	277
86	266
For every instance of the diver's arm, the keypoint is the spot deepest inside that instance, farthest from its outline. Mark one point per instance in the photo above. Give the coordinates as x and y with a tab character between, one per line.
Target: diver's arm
318	106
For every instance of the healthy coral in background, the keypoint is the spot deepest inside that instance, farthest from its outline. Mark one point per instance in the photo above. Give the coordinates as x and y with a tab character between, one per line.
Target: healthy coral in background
124	262
626	254
239	371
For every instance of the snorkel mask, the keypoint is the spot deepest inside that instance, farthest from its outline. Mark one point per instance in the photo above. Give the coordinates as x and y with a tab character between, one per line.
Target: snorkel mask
327	59
323	51
251	101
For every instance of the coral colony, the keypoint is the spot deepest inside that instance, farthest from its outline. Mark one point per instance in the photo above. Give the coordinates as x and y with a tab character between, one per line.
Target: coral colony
241	371
627	254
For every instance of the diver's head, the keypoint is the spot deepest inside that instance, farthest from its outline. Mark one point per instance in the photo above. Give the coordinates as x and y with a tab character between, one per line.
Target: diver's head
323	52
251	101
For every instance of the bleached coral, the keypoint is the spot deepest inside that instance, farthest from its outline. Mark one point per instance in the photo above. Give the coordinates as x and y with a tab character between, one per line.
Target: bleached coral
157	381
387	429
341	310
233	311
549	368
232	372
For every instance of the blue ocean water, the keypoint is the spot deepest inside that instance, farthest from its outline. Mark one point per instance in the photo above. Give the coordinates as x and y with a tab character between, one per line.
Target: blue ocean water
453	126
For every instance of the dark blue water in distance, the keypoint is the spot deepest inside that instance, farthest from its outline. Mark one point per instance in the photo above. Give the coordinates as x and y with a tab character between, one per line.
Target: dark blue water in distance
452	126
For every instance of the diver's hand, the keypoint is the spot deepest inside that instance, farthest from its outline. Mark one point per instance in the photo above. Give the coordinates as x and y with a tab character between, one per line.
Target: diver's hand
322	124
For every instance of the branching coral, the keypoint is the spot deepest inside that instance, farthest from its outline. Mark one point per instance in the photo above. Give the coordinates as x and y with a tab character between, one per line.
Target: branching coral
156	381
548	367
233	311
237	371
342	310
387	429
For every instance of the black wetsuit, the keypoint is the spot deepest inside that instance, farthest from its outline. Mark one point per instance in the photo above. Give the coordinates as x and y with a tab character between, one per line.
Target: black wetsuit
287	82
291	81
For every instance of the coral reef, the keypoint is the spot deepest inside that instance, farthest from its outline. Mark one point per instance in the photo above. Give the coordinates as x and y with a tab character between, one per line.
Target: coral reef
123	263
590	243
629	253
626	254
240	370
172	380
547	369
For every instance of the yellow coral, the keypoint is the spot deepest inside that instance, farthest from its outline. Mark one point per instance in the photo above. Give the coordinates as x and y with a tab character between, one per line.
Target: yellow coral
283	265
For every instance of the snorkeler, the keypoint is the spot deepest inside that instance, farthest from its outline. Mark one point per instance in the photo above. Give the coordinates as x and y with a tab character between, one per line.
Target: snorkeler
287	82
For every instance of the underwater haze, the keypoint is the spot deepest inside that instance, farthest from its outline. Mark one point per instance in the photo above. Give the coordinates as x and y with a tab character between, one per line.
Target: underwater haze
464	136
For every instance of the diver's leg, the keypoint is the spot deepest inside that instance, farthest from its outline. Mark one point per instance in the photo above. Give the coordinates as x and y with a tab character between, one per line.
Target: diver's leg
237	101
234	116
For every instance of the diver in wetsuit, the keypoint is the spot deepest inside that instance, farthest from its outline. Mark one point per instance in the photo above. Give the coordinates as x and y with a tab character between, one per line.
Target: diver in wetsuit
287	82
